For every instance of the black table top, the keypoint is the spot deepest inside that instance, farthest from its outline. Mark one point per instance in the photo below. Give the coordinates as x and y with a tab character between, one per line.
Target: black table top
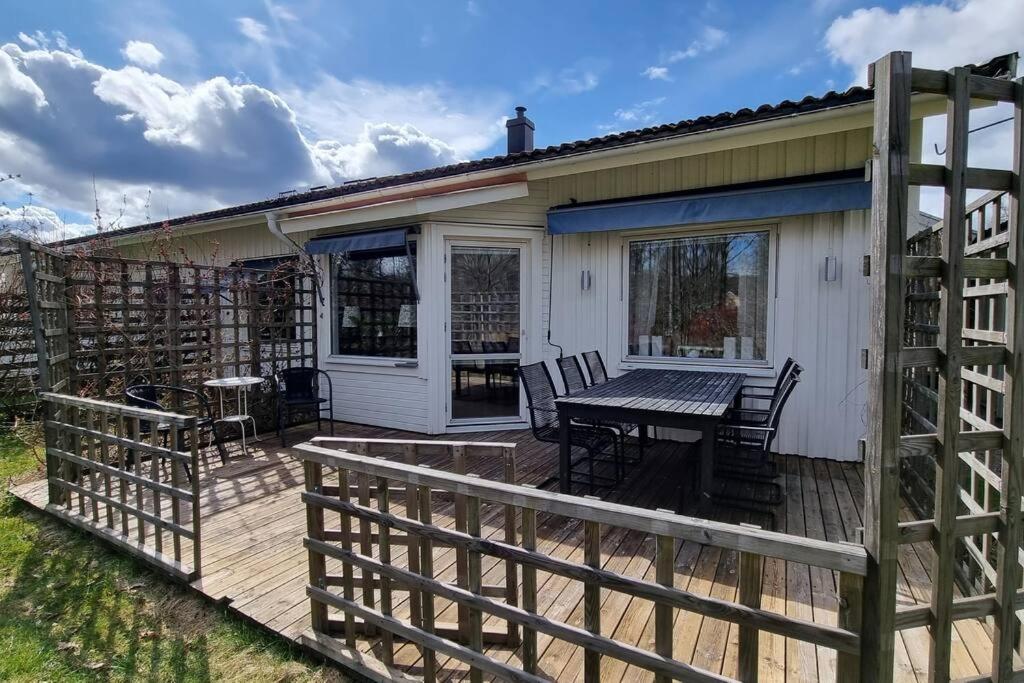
682	392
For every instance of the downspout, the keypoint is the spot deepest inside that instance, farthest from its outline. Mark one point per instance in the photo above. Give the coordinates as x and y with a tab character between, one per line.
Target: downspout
276	231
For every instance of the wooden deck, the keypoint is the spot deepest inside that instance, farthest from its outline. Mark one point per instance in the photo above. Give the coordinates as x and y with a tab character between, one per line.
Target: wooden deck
253	561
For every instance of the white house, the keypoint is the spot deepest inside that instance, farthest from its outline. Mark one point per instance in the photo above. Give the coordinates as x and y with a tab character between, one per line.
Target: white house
731	240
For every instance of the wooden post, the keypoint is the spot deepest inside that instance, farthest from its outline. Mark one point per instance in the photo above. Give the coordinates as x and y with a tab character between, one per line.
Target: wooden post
592	600
529	517
28	273
427	570
511	578
889	215
315	529
197	518
461	555
384	552
749	579
951	322
1008	569
154	476
851	606
475	581
664	570
413	554
347	573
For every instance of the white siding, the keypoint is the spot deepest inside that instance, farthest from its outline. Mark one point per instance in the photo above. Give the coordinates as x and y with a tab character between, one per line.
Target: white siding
375	397
821	324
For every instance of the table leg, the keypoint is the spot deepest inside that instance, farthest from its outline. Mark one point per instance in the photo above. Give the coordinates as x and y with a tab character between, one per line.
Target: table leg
707	464
564	454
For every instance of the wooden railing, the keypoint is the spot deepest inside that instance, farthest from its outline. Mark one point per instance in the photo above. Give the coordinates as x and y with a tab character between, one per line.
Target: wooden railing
111	474
474	498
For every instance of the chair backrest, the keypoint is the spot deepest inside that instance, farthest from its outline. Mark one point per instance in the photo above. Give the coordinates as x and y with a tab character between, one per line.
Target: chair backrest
299	383
595	366
540	395
143	396
494	347
779	402
572	374
787	368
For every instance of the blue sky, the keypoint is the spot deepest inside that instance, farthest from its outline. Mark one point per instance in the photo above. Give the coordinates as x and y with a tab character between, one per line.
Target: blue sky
160	109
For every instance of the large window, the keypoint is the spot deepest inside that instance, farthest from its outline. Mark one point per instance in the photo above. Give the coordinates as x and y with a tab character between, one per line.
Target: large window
699	297
374	303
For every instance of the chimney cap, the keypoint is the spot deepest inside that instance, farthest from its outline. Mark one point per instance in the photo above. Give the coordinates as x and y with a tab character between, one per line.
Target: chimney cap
520	119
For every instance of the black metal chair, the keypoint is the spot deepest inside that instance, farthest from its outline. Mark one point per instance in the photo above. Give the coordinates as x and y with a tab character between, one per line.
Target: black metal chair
540	396
743	447
171	399
764	396
299	389
574	381
595	366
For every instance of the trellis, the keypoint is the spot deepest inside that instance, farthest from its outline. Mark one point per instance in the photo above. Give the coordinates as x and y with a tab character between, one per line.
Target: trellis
104	323
987	236
968	346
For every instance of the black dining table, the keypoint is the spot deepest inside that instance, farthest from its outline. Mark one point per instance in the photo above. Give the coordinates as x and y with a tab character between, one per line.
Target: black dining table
683	399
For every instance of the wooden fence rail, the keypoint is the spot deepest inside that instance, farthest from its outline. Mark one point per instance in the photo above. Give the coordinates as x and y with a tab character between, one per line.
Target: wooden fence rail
126	475
520	507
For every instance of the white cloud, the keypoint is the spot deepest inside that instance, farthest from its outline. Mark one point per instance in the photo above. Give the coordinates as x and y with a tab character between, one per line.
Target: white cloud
338	110
384	149
28	40
711	38
657	73
40	223
143	54
635	116
569	81
940	35
280	12
65	120
253	30
969	31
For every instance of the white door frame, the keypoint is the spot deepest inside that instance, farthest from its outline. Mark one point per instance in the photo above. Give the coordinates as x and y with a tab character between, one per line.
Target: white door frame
442	236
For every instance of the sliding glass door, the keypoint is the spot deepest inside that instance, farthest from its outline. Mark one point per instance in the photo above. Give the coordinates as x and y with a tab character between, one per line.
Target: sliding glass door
484	329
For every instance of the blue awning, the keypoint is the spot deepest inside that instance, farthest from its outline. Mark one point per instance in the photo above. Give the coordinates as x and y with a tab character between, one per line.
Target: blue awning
358	241
736	204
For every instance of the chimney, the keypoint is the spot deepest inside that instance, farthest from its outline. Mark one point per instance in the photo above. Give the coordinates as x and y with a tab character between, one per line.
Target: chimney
520	132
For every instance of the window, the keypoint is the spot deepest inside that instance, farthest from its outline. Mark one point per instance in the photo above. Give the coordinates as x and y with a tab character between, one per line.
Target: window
699	297
374	303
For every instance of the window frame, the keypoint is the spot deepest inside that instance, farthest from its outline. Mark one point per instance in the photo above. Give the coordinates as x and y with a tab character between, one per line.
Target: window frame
397	362
630	361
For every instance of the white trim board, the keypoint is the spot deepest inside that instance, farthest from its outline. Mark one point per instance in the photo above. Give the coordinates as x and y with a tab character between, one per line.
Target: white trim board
403	208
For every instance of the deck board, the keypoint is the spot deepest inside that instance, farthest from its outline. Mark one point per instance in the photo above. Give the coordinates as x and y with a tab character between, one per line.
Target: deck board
253	561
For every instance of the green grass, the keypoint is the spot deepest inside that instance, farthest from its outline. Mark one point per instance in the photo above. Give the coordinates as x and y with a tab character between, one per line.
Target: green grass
73	610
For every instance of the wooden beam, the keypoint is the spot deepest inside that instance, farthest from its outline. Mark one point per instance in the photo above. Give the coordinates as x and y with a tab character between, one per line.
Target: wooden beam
1008	568
889	215
951	316
976	178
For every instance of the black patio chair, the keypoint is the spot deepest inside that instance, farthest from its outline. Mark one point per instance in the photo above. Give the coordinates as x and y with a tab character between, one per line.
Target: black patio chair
759	401
171	399
299	389
599	375
595	366
574	381
743	448
540	397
